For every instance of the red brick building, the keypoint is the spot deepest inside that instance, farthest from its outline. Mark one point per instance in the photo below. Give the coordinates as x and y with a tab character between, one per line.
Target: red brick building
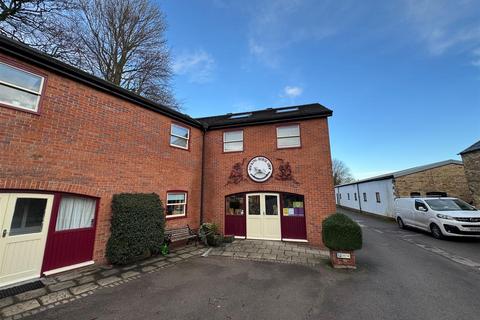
70	141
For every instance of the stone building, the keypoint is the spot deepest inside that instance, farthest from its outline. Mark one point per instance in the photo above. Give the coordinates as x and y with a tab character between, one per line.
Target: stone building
377	194
471	161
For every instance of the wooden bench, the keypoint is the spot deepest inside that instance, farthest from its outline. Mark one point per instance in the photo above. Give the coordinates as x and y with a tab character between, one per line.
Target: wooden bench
178	234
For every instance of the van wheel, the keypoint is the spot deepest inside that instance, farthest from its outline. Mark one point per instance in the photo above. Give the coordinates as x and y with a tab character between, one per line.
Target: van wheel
436	231
400	223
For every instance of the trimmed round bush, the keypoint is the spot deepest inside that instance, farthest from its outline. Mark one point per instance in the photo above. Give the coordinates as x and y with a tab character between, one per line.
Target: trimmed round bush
137	227
341	233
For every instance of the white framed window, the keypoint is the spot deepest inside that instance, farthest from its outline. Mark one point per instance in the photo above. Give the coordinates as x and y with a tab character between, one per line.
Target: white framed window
233	141
176	204
179	136
288	136
75	213
19	88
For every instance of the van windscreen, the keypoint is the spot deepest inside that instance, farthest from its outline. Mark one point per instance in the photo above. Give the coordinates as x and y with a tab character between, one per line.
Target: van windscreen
449	205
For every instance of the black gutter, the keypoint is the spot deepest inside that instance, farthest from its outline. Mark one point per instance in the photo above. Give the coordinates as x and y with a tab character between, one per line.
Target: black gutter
367	180
37	58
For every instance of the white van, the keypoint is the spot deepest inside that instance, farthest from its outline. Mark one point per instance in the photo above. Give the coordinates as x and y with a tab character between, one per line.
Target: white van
440	216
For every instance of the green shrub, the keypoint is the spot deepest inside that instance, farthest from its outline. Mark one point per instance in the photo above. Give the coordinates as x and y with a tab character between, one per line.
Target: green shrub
341	233
137	227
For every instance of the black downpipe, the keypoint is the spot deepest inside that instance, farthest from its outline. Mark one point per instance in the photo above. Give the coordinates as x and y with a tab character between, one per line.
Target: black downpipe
359	199
202	187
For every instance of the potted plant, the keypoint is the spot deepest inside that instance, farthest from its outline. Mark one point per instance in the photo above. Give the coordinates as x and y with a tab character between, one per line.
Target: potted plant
228	238
342	236
209	235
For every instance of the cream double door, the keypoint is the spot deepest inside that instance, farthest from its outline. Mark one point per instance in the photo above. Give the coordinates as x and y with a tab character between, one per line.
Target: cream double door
24	221
263	216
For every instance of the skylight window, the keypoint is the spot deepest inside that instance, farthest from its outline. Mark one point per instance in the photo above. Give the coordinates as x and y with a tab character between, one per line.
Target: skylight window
287	110
240	115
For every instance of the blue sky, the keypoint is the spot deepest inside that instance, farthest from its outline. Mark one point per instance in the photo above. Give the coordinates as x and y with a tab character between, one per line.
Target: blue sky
402	77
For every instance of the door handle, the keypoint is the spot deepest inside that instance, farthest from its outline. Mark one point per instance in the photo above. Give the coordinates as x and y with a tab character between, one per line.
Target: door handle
4	233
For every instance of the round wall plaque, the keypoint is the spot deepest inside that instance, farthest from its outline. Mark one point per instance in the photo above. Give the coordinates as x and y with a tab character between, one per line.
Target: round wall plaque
259	169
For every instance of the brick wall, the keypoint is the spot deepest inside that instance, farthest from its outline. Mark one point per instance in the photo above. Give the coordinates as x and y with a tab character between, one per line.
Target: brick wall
449	178
471	163
311	166
88	142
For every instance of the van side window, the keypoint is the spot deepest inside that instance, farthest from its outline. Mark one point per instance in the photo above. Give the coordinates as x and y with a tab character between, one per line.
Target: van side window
419	204
364	197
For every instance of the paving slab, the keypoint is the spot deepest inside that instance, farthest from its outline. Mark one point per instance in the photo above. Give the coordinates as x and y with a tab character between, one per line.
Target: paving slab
108	273
32	294
54	297
20	307
61	285
6	302
129	274
83	288
85	279
109	280
148	268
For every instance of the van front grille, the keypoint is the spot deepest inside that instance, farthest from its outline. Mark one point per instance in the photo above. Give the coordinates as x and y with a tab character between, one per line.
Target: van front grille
468	219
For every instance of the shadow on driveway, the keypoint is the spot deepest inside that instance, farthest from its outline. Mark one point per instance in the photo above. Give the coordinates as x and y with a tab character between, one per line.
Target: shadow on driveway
209	288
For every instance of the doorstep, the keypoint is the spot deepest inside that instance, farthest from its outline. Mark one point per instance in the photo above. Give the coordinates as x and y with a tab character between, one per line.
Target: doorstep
274	251
76	284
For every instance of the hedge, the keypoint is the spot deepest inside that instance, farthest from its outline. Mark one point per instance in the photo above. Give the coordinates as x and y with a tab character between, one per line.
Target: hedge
137	227
341	233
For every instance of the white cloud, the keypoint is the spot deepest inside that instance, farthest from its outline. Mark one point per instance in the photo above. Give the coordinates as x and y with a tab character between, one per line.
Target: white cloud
476	57
292	92
444	25
275	26
198	66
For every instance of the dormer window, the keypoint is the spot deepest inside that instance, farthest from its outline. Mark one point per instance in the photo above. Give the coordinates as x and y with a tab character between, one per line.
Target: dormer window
291	109
240	115
19	88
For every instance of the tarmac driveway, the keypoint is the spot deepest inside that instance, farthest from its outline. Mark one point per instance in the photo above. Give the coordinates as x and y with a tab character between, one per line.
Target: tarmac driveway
399	276
209	288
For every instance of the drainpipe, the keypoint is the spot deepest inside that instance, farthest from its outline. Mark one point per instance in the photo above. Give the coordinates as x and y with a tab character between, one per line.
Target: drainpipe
359	201
202	187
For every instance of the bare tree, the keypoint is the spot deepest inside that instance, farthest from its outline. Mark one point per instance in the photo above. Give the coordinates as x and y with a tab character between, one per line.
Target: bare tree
37	23
341	173
121	41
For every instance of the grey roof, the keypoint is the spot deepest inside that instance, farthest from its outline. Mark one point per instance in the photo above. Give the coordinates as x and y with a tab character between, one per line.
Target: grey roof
405	172
269	115
25	53
473	147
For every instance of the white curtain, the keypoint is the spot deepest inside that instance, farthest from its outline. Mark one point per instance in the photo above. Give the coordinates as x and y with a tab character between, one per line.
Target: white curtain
75	213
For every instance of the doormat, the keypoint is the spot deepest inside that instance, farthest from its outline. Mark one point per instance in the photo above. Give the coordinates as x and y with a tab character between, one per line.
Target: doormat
21	288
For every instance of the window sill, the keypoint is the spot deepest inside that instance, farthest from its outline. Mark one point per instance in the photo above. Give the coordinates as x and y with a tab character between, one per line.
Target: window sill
175	217
293	147
178	147
35	112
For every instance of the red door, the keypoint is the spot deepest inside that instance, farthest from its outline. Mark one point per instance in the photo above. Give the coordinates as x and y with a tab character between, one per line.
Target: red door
71	234
293	217
235	222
